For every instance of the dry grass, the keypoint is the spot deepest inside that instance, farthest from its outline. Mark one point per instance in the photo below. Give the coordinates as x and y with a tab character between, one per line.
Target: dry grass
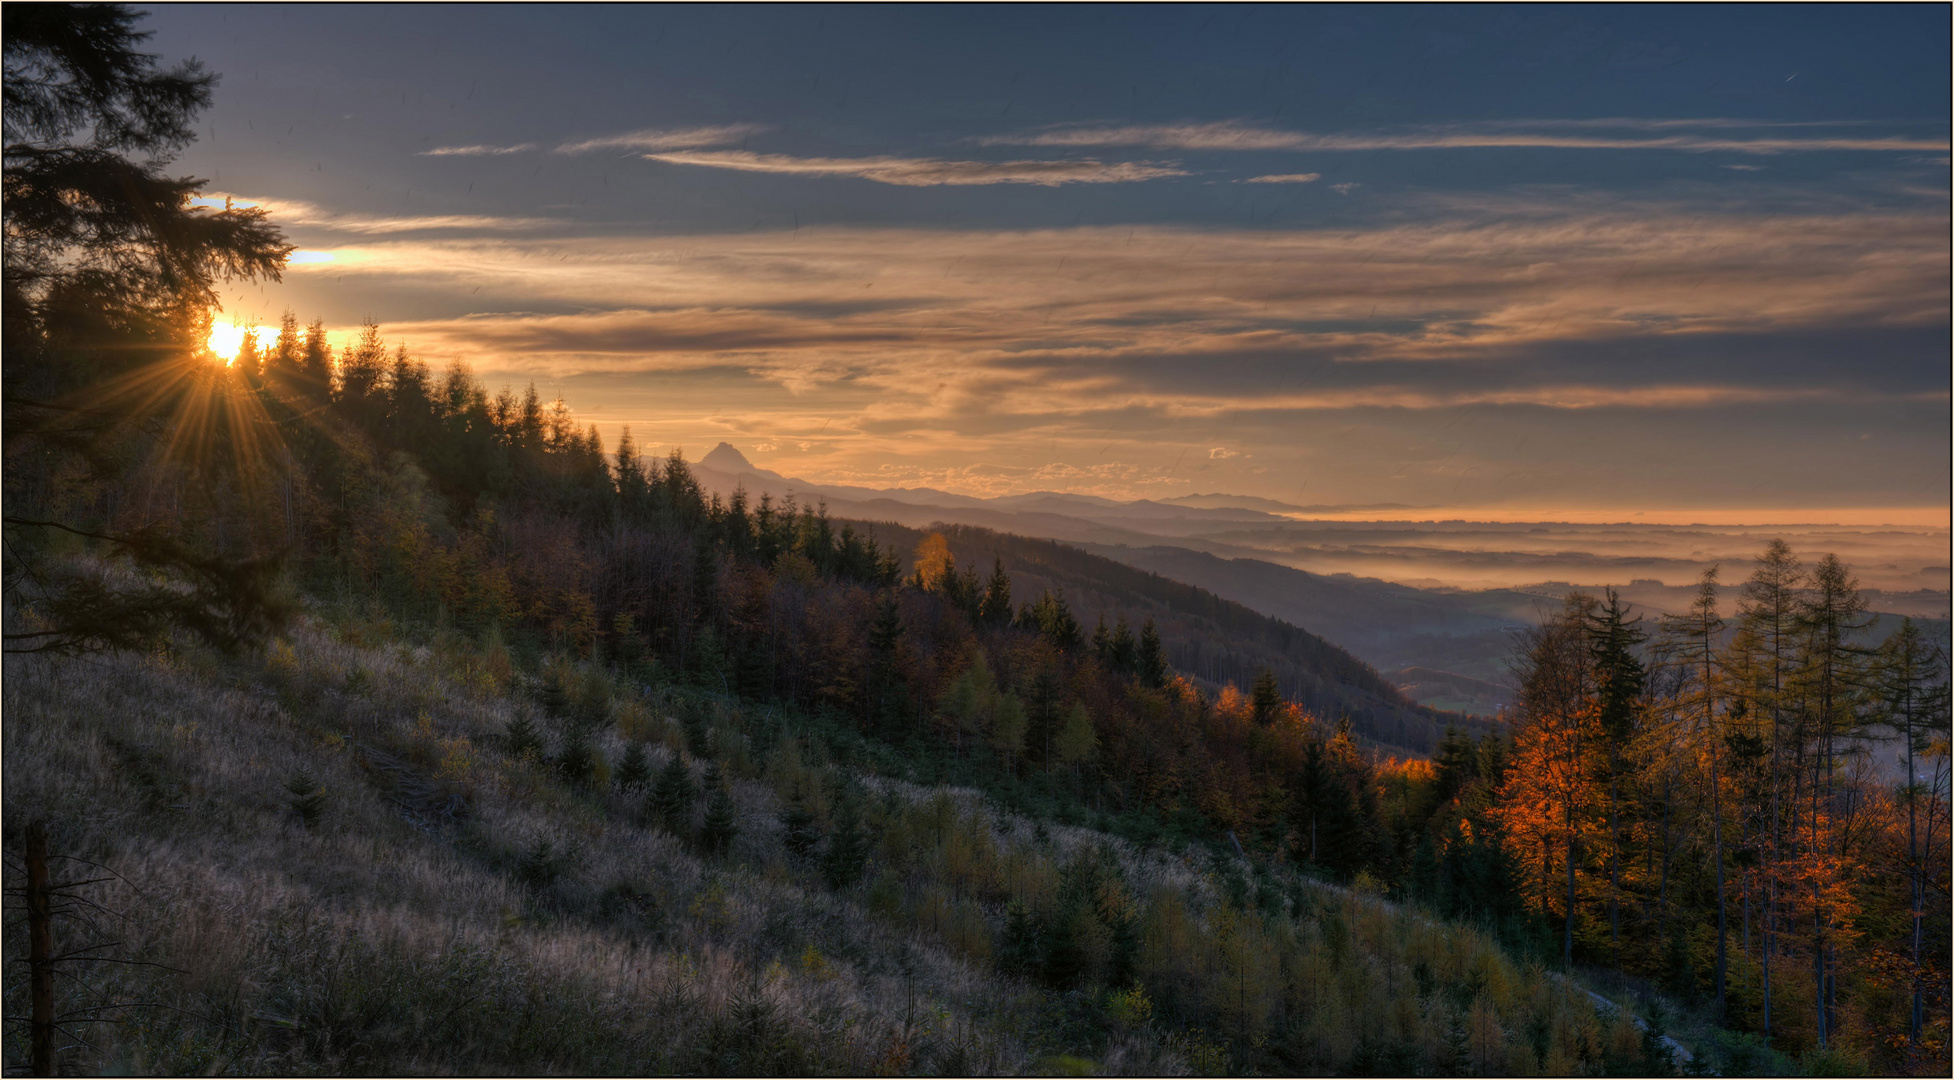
456	909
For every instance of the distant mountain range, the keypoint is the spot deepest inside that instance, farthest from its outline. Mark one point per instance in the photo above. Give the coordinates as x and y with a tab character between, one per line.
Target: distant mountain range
1443	647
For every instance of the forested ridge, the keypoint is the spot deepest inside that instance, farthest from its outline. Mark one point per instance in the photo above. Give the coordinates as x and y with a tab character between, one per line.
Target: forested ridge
569	671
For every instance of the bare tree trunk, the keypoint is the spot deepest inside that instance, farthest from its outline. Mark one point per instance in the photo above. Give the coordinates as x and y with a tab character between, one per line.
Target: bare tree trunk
40	951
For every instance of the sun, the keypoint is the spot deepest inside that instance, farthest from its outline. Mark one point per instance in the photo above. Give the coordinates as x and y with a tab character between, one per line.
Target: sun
226	340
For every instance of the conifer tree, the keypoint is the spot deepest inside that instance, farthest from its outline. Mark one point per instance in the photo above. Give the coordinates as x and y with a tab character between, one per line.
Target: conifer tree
887	696
1912	698
848	848
801	830
521	736
634	770
672	799
721	823
1265	699
1619	681
1690	643
1153	658
1123	649
995	608
1768	633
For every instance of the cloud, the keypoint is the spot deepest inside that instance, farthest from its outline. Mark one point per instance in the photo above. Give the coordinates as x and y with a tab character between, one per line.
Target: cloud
666	138
1345	189
477	151
297	212
1285	178
1744	168
929	172
1542	305
1242	135
1221	452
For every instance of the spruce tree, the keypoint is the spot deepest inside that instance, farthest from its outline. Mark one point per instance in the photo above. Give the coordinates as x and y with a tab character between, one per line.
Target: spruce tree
672	798
1265	699
995	609
521	736
1619	681
887	697
848	848
1124	651
634	771
1153	658
801	829
721	822
108	262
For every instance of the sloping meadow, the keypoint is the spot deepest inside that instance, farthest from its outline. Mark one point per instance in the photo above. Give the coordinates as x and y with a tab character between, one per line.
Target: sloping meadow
348	853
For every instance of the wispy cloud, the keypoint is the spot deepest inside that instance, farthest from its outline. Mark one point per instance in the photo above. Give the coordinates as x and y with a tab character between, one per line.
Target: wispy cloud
1087	310
477	151
1285	178
1326	350
666	138
1241	135
930	172
297	212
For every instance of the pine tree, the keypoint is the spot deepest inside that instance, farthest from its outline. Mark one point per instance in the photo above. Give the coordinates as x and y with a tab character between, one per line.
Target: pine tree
1125	652
1153	658
1767	633
521	736
555	696
995	608
634	771
721	822
1690	642
848	848
1915	705
672	799
578	760
1619	682
887	697
801	830
1265	699
1022	949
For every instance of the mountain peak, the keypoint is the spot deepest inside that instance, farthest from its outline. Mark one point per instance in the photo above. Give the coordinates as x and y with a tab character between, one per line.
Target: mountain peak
726	459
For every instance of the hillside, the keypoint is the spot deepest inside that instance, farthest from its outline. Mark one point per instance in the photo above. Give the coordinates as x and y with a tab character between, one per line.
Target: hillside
1217	642
342	854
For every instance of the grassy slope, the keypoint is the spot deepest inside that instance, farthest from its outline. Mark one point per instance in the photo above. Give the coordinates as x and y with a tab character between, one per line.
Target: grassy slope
422	925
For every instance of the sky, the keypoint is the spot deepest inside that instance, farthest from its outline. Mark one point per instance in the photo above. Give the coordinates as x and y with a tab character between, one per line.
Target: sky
1573	263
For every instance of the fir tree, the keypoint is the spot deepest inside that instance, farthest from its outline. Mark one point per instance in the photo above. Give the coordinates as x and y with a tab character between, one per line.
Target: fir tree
1265	699
1124	652
521	736
634	771
848	848
672	798
721	822
1153	658
801	830
887	697
995	608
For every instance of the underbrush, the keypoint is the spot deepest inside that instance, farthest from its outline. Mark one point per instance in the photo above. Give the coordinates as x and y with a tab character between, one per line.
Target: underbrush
354	853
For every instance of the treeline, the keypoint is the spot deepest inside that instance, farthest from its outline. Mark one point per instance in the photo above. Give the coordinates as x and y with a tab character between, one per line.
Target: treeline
1701	805
500	516
1752	812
